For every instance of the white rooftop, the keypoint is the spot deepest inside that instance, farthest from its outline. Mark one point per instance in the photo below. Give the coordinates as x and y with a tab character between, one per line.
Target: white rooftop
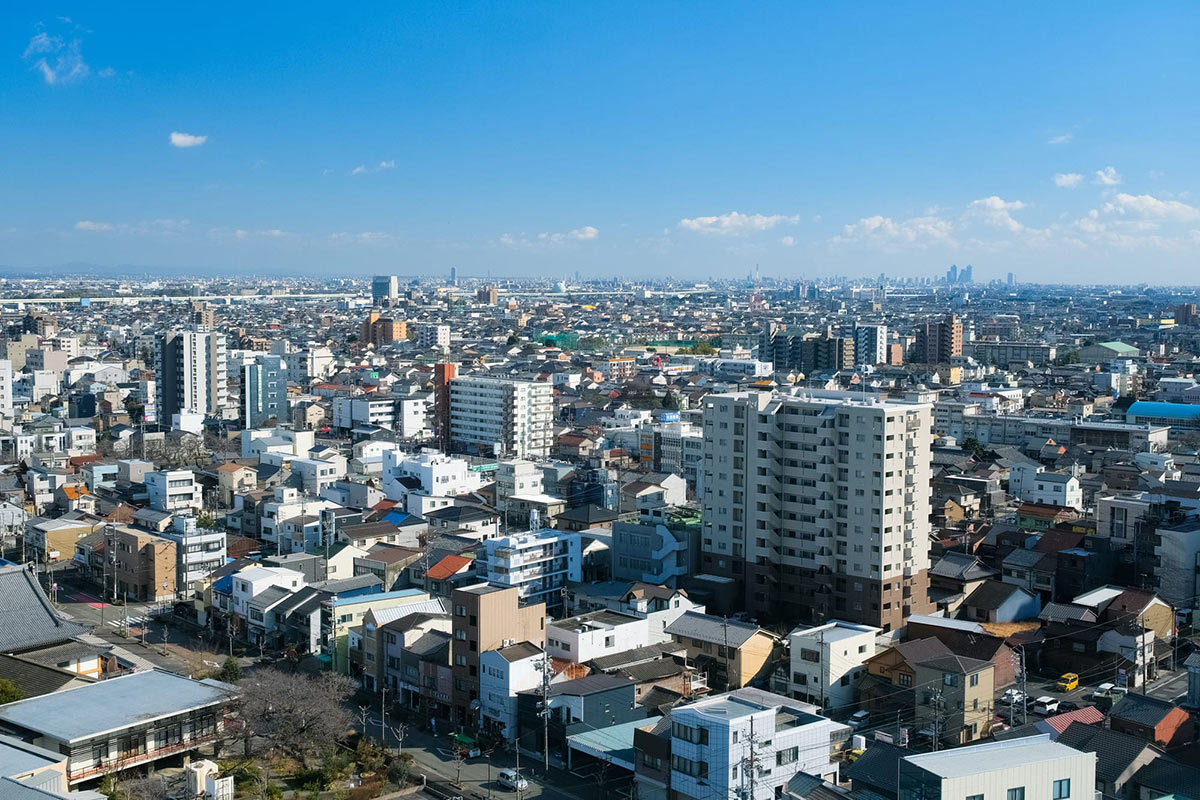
993	756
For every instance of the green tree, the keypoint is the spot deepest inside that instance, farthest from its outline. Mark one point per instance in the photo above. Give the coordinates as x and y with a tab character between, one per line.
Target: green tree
231	670
10	692
973	446
206	520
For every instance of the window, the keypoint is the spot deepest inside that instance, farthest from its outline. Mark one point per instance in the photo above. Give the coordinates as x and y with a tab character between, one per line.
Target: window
787	756
974	797
1062	789
695	735
905	679
974	680
950	679
1017	794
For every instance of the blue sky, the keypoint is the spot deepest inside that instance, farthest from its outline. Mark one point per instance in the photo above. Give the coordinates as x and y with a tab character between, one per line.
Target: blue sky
630	139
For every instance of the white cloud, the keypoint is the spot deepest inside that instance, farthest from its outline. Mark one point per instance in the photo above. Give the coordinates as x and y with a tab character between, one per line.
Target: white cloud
89	225
788	241
57	60
1062	138
1144	205
915	232
387	164
148	227
179	139
585	234
362	237
996	211
107	72
1108	176
359	170
736	224
1068	180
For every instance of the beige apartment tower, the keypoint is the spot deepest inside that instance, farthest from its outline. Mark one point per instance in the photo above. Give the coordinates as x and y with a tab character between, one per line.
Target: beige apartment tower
818	503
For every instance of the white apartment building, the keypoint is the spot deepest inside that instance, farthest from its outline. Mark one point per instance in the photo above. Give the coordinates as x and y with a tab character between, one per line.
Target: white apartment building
190	366
819	502
870	344
287	504
597	633
517	476
507	418
174	490
539	564
6	389
714	741
1034	484
1030	768
502	674
426	480
264	391
826	661
432	336
276	440
253	581
198	551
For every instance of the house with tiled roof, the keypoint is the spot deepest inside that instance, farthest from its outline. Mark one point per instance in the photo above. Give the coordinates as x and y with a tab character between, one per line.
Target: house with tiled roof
28	621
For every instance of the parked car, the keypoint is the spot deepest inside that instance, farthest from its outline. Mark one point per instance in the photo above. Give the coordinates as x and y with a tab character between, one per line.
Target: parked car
1045	706
509	779
1102	690
1067	705
859	719
1069	682
1013	697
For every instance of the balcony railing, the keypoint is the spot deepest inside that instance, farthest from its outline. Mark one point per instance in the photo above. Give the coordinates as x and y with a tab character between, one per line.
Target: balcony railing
118	764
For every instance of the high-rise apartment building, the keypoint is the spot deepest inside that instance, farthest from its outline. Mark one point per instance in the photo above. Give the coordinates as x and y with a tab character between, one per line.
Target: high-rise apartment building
805	351
486	617
506	418
6	388
870	344
487	295
264	391
433	336
818	503
190	367
378	330
939	341
384	289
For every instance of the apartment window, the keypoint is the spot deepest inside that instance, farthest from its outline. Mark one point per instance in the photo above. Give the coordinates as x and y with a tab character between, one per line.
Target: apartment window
460	611
973	680
697	735
950	679
787	756
460	634
905	679
1017	793
974	797
1062	789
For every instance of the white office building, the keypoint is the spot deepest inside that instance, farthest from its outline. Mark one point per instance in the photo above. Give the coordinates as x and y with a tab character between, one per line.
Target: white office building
818	503
506	418
198	551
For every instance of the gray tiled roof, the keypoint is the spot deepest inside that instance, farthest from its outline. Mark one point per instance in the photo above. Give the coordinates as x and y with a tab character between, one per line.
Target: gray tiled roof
708	628
27	620
1115	752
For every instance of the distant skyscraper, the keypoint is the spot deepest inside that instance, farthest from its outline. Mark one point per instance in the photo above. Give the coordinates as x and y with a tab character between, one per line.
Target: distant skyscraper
454	276
190	367
384	289
952	274
1011	280
967	275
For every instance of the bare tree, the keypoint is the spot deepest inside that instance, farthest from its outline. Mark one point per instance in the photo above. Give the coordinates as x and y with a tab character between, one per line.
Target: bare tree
148	787
294	714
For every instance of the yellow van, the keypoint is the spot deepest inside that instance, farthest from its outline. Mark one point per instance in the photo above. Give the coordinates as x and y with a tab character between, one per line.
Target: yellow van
1068	682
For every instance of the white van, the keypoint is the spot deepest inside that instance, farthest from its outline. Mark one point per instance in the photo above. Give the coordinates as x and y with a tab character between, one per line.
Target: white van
1045	706
509	779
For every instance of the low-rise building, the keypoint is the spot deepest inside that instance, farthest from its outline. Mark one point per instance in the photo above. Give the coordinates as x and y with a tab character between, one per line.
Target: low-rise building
827	661
1032	768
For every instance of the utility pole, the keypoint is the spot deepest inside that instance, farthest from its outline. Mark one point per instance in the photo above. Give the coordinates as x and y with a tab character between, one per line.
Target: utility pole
1024	694
725	631
383	716
938	705
546	670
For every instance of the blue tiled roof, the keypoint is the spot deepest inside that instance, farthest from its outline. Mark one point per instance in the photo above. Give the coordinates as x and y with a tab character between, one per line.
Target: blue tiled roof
1150	408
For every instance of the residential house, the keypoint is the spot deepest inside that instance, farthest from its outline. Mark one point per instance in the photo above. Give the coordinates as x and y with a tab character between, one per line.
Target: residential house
733	653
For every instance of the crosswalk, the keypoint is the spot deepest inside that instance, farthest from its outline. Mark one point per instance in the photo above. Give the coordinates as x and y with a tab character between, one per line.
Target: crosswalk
128	622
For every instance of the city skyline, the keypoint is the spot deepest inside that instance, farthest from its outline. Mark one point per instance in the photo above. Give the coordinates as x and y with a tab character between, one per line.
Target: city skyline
620	142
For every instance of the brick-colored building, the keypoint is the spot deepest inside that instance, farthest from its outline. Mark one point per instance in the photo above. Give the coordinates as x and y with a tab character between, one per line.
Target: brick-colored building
144	568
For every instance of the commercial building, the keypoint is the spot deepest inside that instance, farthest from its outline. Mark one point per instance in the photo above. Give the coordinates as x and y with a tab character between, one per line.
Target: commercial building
190	366
1004	353
384	289
502	417
487	617
1179	416
818	504
174	490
